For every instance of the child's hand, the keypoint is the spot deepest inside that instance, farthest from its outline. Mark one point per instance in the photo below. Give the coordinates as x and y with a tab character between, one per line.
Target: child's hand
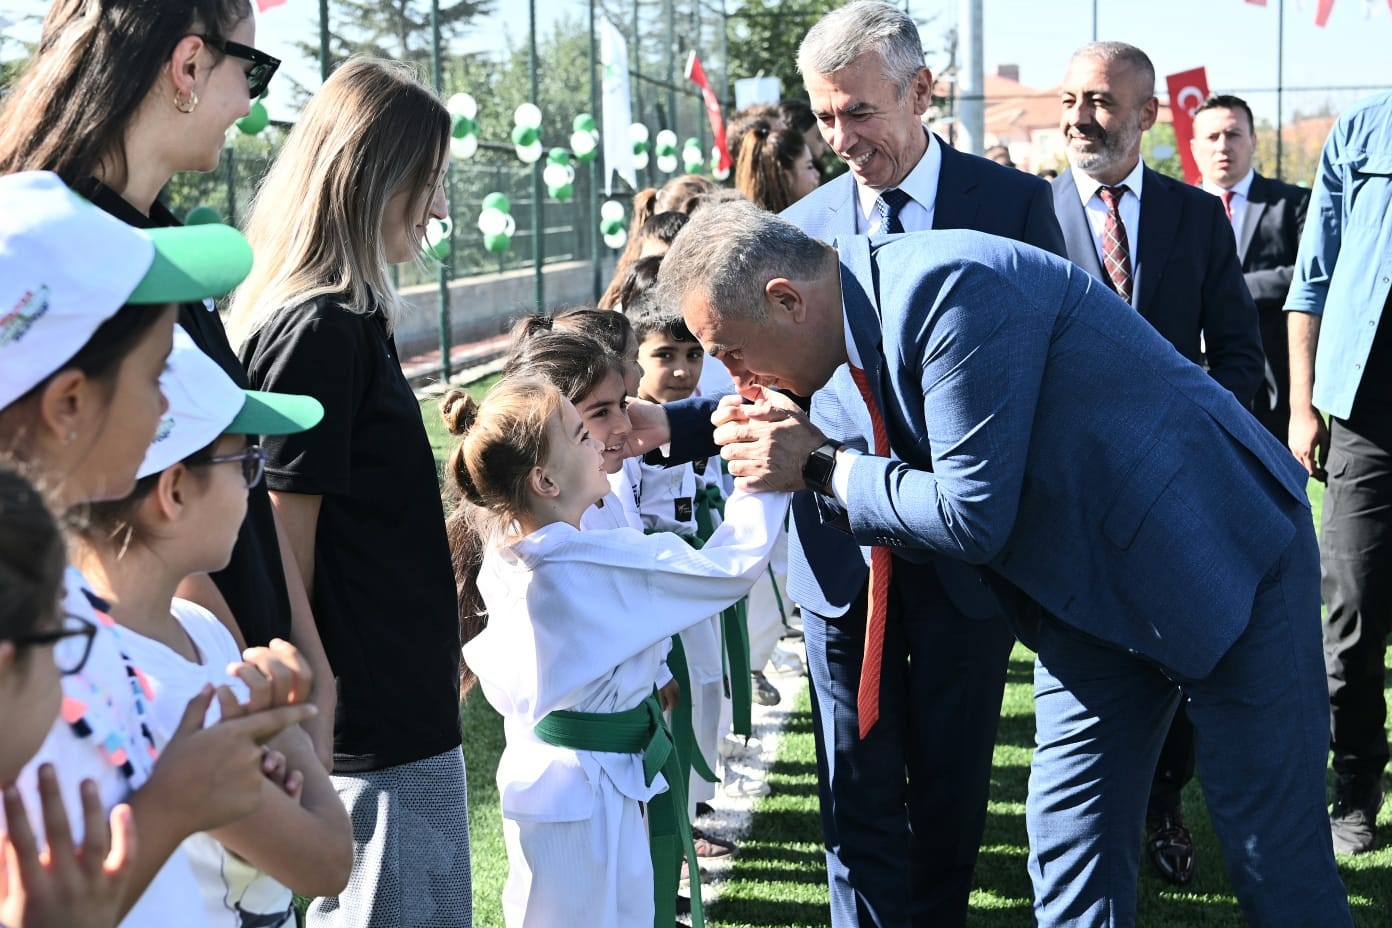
276	675
276	768
64	886
212	777
650	427
669	695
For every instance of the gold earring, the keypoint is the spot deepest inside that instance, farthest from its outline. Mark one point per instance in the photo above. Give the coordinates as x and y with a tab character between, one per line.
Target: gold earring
186	106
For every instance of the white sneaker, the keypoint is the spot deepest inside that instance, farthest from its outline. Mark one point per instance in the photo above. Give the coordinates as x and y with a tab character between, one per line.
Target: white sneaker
785	660
740	786
733	747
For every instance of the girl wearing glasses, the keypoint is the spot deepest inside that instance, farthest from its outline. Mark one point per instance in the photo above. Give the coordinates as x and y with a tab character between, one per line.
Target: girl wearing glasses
120	96
359	496
86	325
182	517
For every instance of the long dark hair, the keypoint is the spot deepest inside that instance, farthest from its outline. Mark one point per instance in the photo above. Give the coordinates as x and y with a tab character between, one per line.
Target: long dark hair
31	557
95	64
765	159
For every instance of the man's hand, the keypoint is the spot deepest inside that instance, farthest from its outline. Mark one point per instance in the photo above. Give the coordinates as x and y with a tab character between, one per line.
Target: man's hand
1309	440
651	429
767	442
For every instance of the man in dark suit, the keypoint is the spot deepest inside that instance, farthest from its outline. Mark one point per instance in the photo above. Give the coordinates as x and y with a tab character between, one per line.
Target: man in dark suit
1267	216
903	796
1168	250
1026	421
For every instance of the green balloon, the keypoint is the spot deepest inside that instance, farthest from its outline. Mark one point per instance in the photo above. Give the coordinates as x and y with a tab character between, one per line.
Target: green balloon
496	201
498	242
523	136
640	147
611	226
439	251
256	120
587	157
559	156
202	216
563	192
584	123
463	126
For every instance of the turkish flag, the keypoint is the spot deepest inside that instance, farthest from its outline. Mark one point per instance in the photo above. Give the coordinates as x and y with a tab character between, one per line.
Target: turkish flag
1322	12
697	75
1187	90
264	5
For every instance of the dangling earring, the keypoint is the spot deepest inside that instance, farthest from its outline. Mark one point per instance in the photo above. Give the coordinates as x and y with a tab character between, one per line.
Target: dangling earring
186	106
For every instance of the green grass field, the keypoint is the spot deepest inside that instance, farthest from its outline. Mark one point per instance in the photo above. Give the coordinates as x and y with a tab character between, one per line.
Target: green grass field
779	877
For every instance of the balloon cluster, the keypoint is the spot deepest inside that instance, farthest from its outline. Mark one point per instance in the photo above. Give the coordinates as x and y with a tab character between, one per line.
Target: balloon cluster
584	140
611	224
559	175
437	238
641	146
464	128
496	223
526	133
693	159
666	151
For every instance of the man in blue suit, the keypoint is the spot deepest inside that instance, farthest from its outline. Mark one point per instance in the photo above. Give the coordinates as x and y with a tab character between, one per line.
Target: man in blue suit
1027	421
904	802
1167	249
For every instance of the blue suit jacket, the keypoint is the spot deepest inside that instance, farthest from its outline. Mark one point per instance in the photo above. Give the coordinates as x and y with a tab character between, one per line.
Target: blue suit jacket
825	570
1043	429
1188	280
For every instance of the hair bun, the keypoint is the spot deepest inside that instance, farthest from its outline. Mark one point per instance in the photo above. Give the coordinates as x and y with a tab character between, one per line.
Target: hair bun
459	410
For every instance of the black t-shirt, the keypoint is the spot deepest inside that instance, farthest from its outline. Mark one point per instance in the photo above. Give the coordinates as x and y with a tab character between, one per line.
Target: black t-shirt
384	595
253	583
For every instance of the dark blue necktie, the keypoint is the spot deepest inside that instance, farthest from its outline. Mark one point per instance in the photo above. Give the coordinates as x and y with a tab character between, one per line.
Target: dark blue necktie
894	201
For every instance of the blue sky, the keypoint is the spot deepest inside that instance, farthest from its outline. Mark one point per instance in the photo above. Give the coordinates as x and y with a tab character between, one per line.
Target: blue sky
1234	40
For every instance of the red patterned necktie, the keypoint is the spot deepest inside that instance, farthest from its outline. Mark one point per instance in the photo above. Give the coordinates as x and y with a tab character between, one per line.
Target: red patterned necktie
1116	254
877	608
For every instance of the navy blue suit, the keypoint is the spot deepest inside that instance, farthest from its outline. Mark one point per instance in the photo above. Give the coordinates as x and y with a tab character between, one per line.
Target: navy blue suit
903	810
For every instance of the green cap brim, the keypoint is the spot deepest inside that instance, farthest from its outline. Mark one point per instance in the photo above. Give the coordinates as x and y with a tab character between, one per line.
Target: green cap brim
193	263
275	414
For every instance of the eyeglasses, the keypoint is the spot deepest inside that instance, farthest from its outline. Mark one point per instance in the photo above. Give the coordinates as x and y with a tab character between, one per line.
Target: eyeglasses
263	66
252	458
72	642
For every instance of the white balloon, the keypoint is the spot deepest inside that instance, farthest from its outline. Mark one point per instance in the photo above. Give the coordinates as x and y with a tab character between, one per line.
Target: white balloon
461	104
611	209
529	154
666	163
493	221
617	240
638	132
721	173
465	147
437	230
582	143
640	160
509	225
665	138
555	175
527	115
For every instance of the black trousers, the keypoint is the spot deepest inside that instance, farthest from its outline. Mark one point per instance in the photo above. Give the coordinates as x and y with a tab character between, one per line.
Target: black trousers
1356	584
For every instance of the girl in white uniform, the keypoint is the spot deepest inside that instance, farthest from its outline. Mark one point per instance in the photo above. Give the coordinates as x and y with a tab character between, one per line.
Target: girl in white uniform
561	636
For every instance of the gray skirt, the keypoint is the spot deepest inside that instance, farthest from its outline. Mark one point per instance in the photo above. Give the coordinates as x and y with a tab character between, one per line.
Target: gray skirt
410	849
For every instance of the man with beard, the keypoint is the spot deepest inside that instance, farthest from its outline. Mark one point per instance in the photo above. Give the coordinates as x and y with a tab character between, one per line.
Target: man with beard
1168	250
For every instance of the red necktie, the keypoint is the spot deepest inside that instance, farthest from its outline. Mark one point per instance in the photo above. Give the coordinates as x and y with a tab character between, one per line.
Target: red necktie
1227	196
881	567
1116	254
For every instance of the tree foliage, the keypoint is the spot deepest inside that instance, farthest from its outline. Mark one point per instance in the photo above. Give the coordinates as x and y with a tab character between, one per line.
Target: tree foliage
765	35
397	29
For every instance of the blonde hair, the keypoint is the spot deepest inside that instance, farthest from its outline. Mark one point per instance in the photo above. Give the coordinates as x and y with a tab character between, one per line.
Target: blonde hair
316	224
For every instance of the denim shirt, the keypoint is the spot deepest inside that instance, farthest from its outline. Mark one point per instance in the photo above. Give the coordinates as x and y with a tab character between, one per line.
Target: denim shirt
1344	269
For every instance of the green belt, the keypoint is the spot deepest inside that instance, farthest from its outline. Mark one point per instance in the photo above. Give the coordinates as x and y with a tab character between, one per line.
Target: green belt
734	627
642	730
683	732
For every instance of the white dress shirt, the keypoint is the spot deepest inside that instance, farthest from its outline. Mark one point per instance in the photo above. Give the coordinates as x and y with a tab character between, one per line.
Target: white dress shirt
1241	191
921	184
1130	209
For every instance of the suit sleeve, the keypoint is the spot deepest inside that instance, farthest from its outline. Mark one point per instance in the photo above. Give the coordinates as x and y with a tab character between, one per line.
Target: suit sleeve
1232	336
1269	286
980	373
1042	228
692	435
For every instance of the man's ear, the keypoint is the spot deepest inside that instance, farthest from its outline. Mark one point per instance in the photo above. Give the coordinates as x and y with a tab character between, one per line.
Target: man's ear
920	91
783	298
1150	110
540	483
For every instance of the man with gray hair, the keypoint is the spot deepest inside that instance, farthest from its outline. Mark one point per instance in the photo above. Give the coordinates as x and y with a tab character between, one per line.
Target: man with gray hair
903	788
1167	249
1142	526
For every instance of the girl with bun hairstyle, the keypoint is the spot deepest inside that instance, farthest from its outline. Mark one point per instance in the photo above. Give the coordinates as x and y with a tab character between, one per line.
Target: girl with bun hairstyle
571	673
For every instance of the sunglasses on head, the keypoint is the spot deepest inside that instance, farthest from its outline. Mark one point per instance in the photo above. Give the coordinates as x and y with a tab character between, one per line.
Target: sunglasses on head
263	66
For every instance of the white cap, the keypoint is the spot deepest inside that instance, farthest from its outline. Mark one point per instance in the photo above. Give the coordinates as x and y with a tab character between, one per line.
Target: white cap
66	267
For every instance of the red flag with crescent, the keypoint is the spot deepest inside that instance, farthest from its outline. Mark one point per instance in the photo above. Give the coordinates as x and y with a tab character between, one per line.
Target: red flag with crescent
1187	90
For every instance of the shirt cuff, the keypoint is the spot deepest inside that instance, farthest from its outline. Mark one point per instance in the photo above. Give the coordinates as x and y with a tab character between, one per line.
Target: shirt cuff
841	474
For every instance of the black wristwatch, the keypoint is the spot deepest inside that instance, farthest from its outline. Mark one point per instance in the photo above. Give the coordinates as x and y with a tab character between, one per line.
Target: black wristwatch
818	467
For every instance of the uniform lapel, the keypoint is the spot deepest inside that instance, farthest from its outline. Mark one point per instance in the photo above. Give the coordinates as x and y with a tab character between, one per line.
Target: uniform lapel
956	204
1073	220
1159	226
1256	206
860	303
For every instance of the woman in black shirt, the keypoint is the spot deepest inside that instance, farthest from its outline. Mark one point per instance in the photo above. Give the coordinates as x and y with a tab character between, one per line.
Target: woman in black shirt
357	180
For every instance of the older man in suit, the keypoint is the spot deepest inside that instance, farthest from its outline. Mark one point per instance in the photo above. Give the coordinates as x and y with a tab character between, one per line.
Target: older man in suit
1026	421
1168	250
1267	216
903	795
